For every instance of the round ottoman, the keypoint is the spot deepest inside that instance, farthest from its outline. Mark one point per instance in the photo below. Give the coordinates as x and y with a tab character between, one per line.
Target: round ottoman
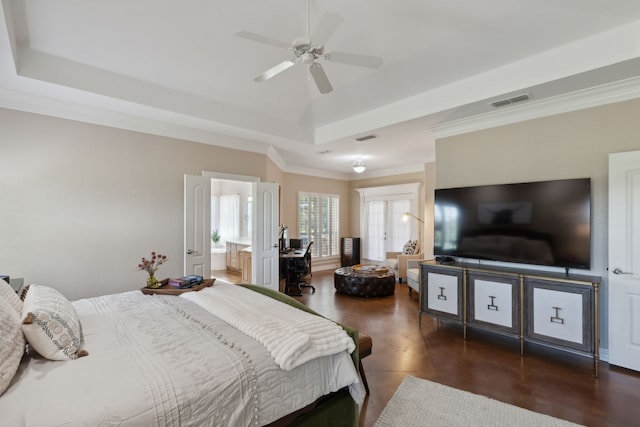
365	281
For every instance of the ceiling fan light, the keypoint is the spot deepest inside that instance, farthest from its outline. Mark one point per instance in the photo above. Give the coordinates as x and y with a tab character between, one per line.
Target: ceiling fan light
358	166
308	58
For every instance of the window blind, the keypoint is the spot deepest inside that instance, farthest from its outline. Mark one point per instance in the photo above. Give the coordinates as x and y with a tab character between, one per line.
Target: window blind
319	222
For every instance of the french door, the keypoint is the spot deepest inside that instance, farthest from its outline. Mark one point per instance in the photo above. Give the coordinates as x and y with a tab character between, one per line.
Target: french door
385	230
382	228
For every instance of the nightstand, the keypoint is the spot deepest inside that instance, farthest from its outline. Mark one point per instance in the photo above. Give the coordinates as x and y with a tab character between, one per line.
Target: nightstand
165	289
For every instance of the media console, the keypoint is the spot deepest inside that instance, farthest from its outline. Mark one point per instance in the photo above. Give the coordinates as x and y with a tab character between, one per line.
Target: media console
556	310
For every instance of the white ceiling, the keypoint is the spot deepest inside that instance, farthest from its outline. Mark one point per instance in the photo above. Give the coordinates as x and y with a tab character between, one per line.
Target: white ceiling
176	68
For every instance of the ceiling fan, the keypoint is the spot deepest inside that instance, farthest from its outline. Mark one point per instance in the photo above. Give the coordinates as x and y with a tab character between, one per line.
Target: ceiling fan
309	48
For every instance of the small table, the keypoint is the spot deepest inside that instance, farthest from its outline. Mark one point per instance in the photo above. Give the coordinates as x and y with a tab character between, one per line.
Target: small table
166	289
365	281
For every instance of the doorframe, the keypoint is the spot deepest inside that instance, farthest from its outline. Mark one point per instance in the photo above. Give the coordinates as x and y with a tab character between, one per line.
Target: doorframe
254	180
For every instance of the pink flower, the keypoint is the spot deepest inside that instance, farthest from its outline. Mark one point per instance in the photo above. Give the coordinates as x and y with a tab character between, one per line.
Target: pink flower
152	265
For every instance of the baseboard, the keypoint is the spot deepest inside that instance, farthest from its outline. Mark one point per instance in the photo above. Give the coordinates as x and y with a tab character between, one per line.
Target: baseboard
604	354
325	265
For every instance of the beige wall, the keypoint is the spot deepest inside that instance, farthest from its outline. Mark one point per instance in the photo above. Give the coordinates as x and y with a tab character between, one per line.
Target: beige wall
273	172
571	145
81	204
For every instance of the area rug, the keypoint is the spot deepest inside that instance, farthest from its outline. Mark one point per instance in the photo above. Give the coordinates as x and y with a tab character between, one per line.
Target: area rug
419	402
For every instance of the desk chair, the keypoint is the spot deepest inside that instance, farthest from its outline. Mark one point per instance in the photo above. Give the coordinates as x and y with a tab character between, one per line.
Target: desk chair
302	267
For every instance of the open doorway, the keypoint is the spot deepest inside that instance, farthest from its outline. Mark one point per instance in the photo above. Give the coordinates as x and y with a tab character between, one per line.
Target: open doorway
231	229
253	239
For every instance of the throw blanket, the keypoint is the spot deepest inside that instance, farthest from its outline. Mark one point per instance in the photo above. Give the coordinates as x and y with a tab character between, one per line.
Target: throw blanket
293	337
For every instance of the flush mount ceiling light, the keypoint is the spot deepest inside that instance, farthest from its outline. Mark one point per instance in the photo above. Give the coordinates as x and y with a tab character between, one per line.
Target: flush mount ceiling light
358	166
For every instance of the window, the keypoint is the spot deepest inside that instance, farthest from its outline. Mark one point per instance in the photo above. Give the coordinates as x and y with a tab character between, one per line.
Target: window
229	216
318	222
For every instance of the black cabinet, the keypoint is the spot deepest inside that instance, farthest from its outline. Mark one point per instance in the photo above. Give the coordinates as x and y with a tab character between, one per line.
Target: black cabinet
349	251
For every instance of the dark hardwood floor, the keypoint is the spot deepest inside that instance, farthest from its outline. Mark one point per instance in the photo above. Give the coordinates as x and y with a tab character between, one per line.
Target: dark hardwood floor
545	381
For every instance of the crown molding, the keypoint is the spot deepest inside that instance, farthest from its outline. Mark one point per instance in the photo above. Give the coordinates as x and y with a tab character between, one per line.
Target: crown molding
593	97
273	154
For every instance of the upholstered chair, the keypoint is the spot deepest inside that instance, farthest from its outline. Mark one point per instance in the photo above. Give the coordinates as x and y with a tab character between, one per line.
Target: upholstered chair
413	275
397	261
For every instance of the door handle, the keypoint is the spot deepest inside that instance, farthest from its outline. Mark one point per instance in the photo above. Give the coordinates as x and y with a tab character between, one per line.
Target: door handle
192	252
618	270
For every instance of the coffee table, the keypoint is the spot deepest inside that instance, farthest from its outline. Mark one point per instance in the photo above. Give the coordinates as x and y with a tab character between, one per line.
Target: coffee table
365	281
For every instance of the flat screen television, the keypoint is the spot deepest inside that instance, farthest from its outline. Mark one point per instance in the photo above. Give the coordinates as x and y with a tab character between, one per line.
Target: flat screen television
542	223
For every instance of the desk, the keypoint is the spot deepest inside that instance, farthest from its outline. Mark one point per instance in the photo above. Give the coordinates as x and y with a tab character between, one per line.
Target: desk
286	265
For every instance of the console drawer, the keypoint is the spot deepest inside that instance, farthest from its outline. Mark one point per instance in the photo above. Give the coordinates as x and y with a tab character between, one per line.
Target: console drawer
494	302
441	293
558	313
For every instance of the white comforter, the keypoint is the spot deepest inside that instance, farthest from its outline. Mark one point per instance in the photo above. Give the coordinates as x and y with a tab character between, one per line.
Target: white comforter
291	336
164	361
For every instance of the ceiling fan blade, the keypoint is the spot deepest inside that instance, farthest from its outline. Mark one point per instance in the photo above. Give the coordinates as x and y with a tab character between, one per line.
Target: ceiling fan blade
328	25
354	59
262	39
273	71
320	78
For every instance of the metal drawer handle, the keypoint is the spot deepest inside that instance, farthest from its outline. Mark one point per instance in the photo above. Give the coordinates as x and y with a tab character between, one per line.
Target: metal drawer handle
556	318
492	306
442	296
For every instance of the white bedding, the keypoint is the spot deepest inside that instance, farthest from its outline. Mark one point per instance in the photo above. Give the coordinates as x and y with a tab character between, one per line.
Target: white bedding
164	361
291	336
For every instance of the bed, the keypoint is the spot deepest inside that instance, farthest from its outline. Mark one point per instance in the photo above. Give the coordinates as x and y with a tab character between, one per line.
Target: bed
227	355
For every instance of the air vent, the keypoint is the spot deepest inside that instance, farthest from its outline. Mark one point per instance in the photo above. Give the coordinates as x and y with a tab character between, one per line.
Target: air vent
364	138
512	100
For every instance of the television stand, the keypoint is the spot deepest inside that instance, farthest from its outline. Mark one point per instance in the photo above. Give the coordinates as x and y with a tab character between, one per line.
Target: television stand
555	310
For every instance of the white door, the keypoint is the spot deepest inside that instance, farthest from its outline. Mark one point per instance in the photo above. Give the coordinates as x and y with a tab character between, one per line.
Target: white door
386	232
197	226
265	253
624	259
376	236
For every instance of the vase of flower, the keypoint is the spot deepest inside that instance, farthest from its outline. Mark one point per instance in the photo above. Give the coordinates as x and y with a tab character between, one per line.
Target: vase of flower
151	266
152	282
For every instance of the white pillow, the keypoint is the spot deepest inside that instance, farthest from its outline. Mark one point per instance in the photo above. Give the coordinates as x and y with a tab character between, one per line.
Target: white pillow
411	247
8	294
50	324
11	344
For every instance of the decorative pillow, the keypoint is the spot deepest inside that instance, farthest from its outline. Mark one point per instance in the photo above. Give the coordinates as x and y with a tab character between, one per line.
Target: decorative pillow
410	248
51	325
8	294
11	344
